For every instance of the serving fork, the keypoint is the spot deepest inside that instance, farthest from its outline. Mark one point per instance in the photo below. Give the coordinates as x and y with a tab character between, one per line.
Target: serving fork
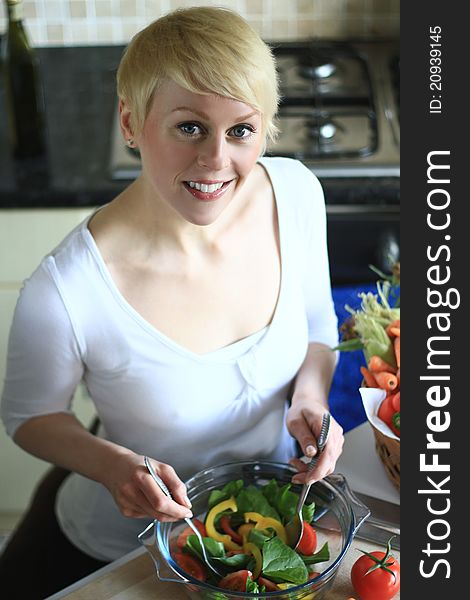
161	484
295	527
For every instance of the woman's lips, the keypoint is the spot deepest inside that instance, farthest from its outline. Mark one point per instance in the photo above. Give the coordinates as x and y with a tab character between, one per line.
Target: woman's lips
200	195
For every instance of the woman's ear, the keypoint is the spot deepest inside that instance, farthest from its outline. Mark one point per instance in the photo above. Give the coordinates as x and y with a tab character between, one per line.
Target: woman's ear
125	123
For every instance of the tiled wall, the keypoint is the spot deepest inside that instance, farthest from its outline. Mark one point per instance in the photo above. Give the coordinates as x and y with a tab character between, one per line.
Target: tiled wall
76	22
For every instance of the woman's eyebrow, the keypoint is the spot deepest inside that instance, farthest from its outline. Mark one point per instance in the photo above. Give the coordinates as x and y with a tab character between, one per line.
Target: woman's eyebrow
203	115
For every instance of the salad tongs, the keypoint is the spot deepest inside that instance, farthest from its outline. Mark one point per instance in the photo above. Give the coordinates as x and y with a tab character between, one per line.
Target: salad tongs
166	491
295	527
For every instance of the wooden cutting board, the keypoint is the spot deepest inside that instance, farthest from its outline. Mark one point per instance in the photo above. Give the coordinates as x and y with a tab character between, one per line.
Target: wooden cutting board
134	578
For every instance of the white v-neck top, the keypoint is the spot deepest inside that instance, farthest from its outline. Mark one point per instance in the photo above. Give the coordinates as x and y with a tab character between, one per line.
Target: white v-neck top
151	394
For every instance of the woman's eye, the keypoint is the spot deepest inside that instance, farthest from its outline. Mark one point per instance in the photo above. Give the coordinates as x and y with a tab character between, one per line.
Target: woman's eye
190	128
242	131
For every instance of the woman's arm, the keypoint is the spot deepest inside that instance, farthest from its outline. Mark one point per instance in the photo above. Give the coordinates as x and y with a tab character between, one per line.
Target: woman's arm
44	367
61	439
308	405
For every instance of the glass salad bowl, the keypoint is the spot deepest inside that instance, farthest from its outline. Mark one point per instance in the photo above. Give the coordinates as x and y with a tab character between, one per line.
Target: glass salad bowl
338	516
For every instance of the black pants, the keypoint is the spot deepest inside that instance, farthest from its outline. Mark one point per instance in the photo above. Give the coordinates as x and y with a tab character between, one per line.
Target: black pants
38	559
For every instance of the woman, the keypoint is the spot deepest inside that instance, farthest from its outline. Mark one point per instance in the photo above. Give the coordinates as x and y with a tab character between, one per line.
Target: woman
194	305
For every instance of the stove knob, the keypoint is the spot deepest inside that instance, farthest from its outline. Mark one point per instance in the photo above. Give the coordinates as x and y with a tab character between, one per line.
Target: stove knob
325	70
327	131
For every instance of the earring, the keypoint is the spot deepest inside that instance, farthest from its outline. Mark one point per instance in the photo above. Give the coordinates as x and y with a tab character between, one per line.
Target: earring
130	142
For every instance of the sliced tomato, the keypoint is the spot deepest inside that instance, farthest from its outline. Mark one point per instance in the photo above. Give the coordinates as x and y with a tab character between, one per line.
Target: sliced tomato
236	581
226	527
191	566
313	574
187	531
268	584
308	541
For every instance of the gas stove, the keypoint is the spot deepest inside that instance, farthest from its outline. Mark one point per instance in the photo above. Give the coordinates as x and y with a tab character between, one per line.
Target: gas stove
339	112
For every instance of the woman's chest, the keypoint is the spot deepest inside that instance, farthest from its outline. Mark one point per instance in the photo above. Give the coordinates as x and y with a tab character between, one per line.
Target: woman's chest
213	304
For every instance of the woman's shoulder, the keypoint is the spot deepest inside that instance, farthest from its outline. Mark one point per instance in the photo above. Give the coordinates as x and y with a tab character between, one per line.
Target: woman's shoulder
296	187
292	176
68	261
285	165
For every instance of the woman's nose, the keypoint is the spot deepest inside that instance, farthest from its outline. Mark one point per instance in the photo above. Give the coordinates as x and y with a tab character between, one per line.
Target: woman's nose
213	153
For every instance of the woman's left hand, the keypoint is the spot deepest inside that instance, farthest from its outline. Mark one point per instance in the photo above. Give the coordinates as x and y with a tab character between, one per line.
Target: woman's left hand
304	420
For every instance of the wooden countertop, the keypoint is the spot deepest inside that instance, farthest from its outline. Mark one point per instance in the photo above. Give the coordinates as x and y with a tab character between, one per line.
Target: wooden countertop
133	578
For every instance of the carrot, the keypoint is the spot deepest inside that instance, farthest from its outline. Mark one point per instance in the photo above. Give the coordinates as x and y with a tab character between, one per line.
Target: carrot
394	331
368	378
378	364
386	381
396	346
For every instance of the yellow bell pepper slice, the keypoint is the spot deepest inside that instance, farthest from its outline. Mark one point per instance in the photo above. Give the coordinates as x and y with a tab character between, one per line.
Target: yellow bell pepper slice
250	548
267	523
244	530
286	586
212	532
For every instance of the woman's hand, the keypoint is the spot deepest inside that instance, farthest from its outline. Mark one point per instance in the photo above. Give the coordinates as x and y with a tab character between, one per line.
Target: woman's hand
138	496
304	420
60	438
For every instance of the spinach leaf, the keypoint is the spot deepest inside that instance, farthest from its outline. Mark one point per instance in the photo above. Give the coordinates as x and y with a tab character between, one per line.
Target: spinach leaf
282	563
285	501
213	547
321	556
252	586
308	511
232	488
258	537
235	562
251	499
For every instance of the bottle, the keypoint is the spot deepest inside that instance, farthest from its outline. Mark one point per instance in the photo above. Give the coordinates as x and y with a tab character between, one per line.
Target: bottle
23	87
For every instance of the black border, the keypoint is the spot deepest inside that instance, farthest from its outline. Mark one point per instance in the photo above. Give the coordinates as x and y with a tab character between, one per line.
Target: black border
421	133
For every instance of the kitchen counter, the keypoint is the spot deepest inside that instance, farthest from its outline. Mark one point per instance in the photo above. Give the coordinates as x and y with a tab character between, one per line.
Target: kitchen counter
79	85
133	578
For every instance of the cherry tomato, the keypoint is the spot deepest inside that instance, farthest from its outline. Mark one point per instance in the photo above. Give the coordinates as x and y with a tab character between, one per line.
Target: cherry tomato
187	531
268	584
226	527
383	581
236	581
308	541
191	566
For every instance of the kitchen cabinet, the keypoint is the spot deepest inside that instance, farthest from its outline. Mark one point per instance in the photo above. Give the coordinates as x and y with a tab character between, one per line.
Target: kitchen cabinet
25	237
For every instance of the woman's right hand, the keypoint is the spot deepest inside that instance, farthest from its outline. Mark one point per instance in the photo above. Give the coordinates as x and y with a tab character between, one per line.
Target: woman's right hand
138	496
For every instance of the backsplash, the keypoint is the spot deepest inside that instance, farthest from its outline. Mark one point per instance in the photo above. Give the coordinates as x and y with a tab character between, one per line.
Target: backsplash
95	22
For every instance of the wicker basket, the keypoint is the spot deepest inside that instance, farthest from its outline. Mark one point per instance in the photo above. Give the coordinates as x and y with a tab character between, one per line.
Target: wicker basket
388	450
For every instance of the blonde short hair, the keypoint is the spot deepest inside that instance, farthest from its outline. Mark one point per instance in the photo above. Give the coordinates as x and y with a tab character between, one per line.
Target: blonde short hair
206	50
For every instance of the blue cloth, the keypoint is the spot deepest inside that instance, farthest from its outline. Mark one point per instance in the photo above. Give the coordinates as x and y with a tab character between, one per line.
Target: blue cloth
345	400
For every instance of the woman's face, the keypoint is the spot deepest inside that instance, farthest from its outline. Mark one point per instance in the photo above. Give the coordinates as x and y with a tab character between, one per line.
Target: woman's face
198	150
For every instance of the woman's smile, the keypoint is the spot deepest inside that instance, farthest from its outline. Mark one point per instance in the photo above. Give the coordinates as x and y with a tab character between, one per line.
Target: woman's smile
207	190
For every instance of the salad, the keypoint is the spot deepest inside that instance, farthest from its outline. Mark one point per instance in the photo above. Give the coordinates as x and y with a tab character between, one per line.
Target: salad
244	535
